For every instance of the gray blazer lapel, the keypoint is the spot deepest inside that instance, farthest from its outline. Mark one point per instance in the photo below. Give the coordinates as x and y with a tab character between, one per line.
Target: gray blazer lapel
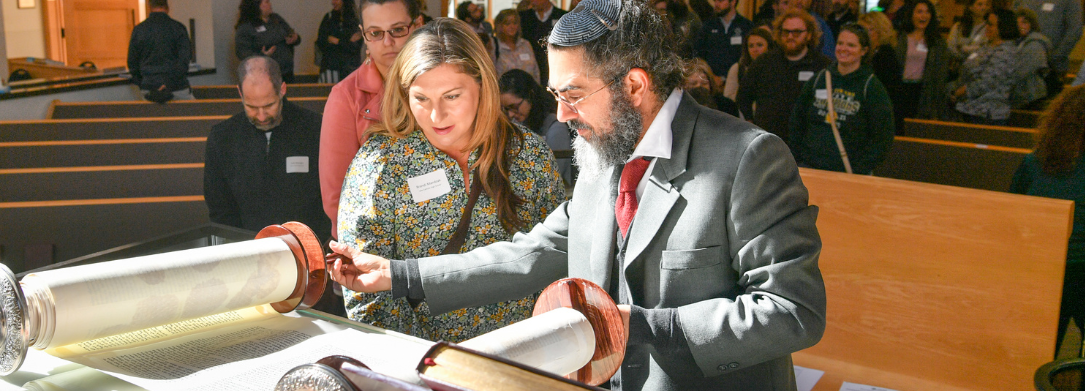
659	196
604	228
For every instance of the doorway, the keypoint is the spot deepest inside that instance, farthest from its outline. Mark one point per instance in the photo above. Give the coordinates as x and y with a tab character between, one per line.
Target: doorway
94	32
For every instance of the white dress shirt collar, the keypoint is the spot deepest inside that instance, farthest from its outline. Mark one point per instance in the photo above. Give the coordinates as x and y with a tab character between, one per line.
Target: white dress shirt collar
657	140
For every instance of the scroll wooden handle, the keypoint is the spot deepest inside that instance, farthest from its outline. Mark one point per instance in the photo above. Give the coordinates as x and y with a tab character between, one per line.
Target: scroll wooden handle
596	305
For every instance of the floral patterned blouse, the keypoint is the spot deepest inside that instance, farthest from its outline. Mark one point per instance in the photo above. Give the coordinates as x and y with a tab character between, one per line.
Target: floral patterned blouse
378	215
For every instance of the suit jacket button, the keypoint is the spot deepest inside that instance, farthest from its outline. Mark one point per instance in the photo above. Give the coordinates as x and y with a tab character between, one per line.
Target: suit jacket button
722	367
733	365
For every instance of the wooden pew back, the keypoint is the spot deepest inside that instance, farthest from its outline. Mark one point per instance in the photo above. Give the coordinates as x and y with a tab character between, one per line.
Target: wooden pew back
952	163
181	108
935	288
1005	136
107	128
1025	118
301	90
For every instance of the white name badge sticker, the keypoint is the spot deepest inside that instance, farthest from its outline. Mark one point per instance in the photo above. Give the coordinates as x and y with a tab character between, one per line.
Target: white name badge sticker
261	29
821	94
297	164
525	56
429	186
971	56
736	40
805	75
1048	7
922	48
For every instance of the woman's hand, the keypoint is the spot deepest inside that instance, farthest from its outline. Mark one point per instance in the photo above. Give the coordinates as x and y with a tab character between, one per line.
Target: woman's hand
333	40
292	38
360	272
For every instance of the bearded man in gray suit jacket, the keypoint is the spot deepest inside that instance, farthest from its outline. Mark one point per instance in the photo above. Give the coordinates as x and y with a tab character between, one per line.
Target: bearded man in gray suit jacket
717	273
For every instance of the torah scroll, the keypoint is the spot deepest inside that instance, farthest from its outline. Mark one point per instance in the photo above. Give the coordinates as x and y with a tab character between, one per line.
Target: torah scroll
283	266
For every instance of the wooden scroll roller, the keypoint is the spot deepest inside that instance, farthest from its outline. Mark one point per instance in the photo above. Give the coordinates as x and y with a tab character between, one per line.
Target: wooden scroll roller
576	330
283	266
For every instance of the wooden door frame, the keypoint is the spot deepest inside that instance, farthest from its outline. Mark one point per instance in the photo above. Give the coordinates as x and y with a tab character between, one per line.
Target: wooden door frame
53	25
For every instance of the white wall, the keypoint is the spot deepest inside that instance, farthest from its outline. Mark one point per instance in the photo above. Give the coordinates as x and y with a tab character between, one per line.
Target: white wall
23	30
4	72
200	10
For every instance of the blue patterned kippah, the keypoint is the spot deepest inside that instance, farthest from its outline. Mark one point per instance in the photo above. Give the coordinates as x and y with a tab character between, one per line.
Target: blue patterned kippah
587	22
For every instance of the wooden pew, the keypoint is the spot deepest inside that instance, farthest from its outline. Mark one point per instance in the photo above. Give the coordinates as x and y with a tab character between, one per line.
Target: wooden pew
182	108
1025	118
1005	136
292	91
39	154
105	129
75	183
76	228
935	288
985	167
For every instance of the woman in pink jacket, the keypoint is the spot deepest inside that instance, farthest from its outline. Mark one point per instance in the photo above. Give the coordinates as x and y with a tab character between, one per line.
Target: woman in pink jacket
354	103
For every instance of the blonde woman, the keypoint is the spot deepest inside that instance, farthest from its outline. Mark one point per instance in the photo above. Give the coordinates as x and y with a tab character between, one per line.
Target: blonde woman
511	51
884	59
442	136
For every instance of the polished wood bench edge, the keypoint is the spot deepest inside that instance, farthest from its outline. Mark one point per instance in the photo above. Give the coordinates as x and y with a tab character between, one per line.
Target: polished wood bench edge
112	120
173	102
99	201
968	125
103	142
137	167
963	144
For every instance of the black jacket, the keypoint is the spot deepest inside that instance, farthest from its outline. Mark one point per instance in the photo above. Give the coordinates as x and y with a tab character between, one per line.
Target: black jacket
345	56
773	82
245	180
534	31
159	52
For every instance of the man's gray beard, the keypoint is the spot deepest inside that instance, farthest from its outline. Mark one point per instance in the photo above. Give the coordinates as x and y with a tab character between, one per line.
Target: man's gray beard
608	149
274	124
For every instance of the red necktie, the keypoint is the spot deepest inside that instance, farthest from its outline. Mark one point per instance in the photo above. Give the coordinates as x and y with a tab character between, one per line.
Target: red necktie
626	205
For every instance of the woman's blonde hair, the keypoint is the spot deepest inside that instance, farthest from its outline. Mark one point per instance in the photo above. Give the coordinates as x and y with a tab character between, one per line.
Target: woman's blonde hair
881	26
453	42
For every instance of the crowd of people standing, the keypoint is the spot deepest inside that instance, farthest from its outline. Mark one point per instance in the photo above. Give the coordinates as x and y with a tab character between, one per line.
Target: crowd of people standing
834	83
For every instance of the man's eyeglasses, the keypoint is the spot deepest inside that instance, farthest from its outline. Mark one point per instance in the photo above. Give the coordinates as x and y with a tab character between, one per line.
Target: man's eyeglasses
513	107
572	105
793	32
395	32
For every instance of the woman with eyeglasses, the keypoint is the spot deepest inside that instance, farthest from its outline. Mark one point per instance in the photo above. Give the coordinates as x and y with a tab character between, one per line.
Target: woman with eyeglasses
511	51
528	104
261	31
988	76
441	142
863	114
355	103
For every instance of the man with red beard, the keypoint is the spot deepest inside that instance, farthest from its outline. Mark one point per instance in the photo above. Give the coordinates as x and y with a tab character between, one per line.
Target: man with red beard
775	79
695	222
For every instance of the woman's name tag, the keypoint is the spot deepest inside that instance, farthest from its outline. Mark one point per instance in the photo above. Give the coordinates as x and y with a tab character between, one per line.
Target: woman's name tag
821	94
429	186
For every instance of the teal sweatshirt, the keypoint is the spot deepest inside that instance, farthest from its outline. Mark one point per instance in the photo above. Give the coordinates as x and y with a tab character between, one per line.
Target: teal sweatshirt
864	116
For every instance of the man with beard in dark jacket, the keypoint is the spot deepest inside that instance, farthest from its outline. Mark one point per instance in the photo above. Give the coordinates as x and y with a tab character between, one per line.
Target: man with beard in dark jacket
261	165
775	79
158	55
